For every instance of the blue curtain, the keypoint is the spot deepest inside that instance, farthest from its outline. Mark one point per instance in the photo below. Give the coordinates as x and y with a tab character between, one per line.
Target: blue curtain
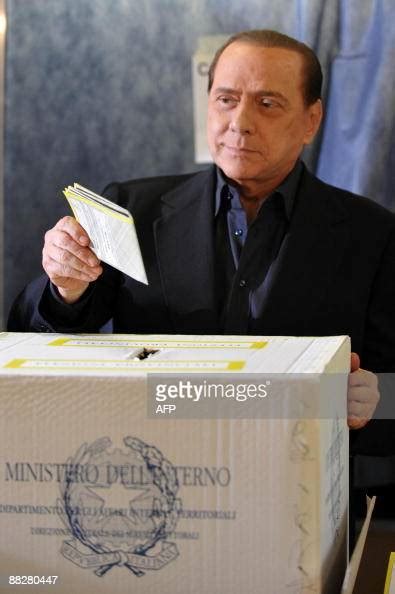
356	43
358	147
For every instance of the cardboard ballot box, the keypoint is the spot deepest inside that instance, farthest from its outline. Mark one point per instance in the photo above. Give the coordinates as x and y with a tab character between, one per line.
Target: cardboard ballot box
103	487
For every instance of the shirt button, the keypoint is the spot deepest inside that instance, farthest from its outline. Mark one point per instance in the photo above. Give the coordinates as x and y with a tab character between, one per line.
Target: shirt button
238	232
242	283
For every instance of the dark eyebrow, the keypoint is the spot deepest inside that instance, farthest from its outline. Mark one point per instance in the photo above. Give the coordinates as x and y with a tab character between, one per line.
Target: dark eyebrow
226	90
260	93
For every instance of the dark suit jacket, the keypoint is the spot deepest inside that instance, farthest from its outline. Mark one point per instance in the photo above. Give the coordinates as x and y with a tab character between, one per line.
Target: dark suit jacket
335	273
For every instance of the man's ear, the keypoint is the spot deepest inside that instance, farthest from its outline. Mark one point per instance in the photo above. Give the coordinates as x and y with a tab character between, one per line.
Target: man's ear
314	117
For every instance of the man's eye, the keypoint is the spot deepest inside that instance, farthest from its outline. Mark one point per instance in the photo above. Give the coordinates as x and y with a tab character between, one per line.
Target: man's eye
225	100
269	103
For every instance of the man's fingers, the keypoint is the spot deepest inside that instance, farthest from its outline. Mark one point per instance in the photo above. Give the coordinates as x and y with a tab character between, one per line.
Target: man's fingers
360	410
75	258
65	242
362	377
356	423
359	414
67	259
57	271
355	362
66	254
63	263
363	397
72	227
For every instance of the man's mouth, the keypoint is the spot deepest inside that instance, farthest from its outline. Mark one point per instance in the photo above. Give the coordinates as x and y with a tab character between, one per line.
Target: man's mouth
239	150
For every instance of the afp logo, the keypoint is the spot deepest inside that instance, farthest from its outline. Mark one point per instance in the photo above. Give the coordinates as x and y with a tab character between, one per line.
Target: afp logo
106	533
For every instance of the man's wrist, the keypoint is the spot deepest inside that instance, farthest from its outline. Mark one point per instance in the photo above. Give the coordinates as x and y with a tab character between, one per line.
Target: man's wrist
76	305
69	296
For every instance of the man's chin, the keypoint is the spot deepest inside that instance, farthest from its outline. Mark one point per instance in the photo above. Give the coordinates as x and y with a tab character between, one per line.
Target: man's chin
236	172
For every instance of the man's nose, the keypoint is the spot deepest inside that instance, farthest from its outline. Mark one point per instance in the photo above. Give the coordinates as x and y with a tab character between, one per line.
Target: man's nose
242	121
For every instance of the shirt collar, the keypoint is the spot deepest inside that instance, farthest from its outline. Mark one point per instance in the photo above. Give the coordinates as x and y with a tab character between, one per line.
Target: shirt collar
287	189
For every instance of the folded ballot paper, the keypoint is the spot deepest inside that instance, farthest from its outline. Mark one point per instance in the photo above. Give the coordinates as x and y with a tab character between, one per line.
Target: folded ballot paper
111	230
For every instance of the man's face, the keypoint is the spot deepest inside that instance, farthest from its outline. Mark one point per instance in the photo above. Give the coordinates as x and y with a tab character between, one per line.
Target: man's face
257	121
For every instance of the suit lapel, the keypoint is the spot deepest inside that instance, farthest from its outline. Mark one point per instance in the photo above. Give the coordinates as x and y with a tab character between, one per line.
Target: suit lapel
299	282
185	253
305	270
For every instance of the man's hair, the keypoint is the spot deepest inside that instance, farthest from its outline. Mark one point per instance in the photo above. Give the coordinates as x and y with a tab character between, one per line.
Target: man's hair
312	73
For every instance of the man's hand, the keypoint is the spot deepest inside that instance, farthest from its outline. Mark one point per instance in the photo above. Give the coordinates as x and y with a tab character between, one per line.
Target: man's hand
363	394
68	261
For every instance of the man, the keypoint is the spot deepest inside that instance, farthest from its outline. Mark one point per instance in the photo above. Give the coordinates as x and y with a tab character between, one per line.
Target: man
254	245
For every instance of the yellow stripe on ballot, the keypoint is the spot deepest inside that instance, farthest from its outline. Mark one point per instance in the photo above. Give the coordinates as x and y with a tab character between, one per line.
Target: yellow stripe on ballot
120	365
92	341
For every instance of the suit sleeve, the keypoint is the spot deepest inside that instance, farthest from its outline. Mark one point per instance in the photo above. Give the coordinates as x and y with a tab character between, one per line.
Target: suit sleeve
377	437
37	310
379	342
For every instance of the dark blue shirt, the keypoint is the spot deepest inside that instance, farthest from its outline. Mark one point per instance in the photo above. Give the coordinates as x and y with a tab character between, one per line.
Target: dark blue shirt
245	254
